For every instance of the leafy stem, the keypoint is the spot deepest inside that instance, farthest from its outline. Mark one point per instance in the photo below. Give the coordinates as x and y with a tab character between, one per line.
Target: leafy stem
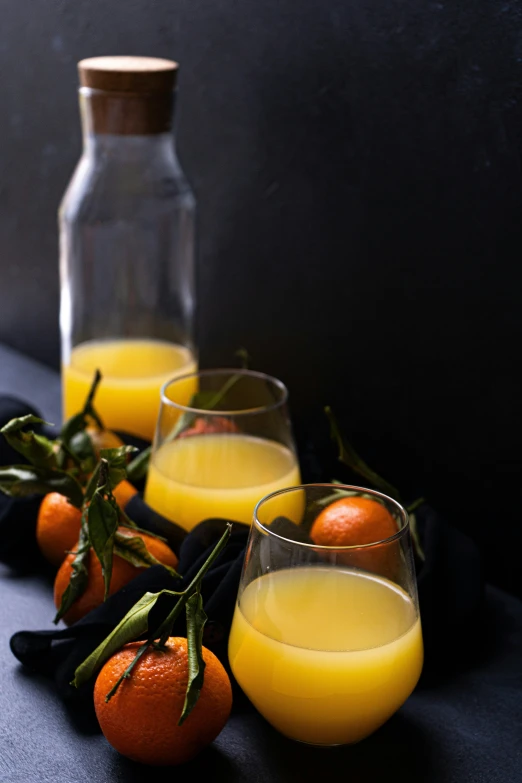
88	408
100	523
128	671
244	357
136	623
22	480
138	467
74	440
37	449
61	465
415	505
349	457
166	626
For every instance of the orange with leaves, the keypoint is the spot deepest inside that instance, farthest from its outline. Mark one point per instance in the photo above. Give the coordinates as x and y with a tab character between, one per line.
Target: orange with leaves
141	719
106	439
122	573
58	522
68	462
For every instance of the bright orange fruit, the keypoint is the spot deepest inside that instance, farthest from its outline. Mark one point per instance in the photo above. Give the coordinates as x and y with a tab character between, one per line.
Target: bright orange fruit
57	527
123	492
356	520
122	573
141	719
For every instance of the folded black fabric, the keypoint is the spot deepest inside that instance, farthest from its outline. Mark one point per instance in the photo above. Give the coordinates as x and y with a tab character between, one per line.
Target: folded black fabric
450	586
450	592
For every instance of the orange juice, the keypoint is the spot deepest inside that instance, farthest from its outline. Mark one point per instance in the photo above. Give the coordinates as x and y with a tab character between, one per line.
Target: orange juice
220	475
327	655
134	371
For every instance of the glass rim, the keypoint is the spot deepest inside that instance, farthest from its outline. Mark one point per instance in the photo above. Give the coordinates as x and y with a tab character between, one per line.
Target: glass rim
326	547
226	371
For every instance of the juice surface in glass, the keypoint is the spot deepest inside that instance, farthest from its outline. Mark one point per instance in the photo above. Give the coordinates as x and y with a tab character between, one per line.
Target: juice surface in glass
133	371
327	655
220	475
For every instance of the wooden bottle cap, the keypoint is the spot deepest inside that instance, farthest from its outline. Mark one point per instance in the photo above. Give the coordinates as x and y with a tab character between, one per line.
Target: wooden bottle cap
128	95
128	74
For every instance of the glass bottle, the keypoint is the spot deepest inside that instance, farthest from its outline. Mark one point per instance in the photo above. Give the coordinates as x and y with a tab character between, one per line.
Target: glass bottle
126	246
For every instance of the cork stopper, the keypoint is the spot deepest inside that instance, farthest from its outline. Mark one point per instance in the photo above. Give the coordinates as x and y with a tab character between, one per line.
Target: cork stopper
127	95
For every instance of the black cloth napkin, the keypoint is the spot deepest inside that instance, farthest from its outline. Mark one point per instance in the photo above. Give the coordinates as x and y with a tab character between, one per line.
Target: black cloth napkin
450	584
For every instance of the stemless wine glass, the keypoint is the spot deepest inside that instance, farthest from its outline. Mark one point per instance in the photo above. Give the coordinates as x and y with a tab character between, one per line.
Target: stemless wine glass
326	641
217	456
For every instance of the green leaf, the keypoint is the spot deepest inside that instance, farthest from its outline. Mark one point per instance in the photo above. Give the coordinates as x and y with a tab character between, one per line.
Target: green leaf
196	619
72	427
165	628
414	505
126	522
92	485
244	357
132	548
37	449
131	627
15	425
349	457
79	577
88	408
137	469
102	520
81	448
117	460
64	454
22	480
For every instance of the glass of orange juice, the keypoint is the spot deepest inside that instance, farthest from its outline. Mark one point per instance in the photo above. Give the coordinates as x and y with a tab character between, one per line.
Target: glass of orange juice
221	453
326	641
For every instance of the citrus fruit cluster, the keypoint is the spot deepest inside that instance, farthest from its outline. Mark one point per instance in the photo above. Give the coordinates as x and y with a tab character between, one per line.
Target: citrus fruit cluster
179	696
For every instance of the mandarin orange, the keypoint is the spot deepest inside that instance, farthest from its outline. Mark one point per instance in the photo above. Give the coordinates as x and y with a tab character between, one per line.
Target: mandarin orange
141	720
122	573
214	425
57	527
123	492
103	439
354	521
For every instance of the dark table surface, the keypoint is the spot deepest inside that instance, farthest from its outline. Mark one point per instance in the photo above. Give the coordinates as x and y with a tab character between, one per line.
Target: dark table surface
465	727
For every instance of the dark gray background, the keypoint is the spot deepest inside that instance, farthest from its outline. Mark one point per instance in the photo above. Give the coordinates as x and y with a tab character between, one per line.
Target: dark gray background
357	168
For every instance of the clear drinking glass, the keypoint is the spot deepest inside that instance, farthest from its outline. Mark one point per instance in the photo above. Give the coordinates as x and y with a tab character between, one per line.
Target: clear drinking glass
221	453
326	641
126	246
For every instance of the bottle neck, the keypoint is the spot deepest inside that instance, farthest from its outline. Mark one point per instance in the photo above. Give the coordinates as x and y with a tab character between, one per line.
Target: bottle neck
129	149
